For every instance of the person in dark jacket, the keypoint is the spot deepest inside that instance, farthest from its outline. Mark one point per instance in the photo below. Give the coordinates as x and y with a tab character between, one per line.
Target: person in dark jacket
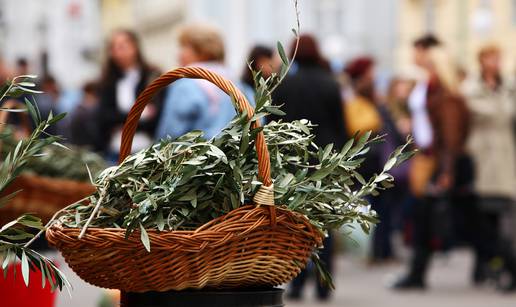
125	75
83	121
310	92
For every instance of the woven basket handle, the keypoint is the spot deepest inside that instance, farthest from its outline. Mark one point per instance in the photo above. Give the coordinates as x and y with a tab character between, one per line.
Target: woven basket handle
265	194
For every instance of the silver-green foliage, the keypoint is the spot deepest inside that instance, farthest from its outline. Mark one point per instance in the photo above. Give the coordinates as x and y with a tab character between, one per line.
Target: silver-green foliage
15	235
183	183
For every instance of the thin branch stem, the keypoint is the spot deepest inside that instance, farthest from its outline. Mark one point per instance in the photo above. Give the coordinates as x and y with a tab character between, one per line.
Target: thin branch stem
293	54
52	220
95	210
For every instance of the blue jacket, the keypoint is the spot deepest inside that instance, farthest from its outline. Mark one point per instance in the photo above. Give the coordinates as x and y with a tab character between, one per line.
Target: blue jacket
188	107
192	104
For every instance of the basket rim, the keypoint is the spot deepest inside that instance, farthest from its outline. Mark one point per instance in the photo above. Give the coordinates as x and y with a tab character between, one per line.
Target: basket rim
304	228
199	229
248	229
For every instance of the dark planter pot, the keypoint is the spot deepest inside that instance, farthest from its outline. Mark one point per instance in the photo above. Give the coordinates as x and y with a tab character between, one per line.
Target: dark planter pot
272	297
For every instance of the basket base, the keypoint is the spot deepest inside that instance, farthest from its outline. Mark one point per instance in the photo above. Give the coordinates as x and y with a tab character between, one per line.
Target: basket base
271	297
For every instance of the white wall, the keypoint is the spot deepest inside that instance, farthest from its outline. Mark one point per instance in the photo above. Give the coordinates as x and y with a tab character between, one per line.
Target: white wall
67	29
345	28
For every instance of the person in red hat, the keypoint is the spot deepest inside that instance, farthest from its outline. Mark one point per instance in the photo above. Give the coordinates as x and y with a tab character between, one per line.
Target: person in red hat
364	112
361	111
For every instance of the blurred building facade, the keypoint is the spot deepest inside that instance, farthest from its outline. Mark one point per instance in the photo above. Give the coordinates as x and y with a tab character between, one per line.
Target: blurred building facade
463	25
58	37
345	27
66	37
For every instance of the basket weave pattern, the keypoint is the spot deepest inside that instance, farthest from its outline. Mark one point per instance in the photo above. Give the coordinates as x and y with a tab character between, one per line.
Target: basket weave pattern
240	249
42	196
255	245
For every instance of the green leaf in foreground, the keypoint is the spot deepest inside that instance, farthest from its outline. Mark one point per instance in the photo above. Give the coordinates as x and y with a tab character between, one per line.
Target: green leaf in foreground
282	53
14	235
25	268
145	238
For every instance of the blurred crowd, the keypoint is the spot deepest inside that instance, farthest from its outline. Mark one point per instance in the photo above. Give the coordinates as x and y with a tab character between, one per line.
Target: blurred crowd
457	191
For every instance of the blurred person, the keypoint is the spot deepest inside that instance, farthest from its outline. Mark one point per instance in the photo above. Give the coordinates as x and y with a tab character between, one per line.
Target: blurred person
5	70
261	58
398	93
193	104
310	92
22	66
361	109
48	102
491	101
440	174
398	126
125	74
366	112
391	203
83	121
362	115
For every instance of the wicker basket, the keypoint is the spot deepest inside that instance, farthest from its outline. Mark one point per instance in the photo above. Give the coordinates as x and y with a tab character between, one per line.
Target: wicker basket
42	196
253	246
39	195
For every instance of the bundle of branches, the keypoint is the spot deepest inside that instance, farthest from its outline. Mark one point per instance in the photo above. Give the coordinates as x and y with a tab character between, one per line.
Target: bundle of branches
15	236
186	182
183	183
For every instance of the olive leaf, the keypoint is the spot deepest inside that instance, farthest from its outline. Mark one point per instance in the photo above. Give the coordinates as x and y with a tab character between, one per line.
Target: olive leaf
145	238
16	236
282	53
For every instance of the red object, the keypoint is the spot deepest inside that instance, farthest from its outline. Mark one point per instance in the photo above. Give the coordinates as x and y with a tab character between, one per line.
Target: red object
13	291
358	67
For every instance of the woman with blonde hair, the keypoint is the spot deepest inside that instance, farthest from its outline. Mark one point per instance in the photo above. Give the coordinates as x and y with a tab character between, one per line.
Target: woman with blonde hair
197	104
440	170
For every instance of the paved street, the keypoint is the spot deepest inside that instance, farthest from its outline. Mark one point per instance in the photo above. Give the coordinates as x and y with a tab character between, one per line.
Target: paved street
360	286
